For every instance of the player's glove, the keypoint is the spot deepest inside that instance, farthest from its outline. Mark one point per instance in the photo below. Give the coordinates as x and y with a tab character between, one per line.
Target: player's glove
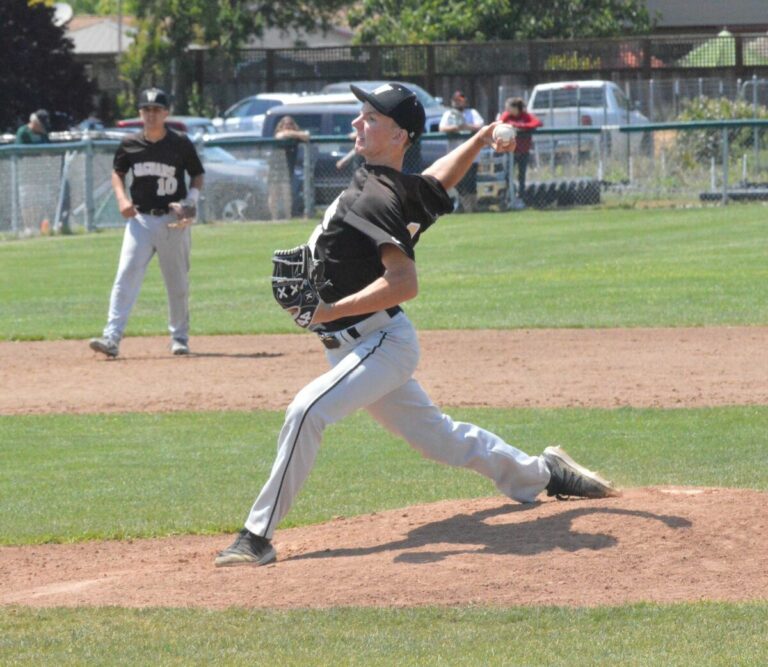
295	283
185	211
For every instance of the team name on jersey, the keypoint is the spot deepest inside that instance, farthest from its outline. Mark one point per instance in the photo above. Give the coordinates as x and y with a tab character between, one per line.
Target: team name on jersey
154	169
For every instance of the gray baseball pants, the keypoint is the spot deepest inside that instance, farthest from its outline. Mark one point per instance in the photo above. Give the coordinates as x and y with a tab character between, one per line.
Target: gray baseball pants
144	236
375	372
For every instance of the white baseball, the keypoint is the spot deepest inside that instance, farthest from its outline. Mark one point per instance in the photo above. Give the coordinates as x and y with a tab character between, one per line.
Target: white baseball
504	134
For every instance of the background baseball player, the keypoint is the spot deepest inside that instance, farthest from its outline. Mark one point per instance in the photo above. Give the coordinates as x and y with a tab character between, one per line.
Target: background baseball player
159	212
364	252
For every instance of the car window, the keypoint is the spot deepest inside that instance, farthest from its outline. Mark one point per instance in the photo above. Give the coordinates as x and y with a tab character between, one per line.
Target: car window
252	107
238	110
311	122
569	97
424	97
259	107
216	154
621	99
341	123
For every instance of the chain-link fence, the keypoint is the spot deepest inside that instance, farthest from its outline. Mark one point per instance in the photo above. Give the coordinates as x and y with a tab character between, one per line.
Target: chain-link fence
56	187
67	187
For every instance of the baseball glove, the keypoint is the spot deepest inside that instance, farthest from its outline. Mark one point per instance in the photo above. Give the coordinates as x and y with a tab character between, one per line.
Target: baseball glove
186	212
295	283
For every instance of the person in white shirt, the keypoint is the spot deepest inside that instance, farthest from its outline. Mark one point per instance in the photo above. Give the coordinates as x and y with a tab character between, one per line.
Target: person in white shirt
463	118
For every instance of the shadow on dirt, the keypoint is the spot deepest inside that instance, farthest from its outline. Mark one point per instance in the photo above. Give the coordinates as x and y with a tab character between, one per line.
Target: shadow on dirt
536	536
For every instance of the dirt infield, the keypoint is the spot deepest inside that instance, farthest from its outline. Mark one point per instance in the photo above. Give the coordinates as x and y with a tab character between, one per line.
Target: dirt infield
607	368
653	544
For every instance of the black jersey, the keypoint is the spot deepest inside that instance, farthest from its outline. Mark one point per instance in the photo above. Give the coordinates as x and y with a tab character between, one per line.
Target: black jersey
381	205
159	168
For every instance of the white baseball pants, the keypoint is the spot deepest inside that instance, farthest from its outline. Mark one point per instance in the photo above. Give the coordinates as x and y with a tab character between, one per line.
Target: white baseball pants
144	236
374	372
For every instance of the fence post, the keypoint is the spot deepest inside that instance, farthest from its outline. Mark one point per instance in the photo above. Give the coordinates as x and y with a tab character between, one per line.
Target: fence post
374	63
650	99
755	135
202	206
646	58
88	187
270	67
309	182
725	165
15	203
430	67
533	75
739	46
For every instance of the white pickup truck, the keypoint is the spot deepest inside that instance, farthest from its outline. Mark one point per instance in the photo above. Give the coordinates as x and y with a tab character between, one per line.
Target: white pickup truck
585	104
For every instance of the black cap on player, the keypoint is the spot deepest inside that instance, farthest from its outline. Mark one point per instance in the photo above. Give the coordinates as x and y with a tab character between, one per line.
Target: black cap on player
153	97
397	102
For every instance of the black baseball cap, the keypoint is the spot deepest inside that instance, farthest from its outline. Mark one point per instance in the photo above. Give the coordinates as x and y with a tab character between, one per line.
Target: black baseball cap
153	97
43	118
397	102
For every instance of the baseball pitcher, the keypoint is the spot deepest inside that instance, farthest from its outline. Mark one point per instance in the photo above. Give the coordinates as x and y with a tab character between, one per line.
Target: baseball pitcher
347	284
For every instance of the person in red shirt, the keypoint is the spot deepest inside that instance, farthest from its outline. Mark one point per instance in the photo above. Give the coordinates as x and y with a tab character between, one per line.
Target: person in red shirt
515	114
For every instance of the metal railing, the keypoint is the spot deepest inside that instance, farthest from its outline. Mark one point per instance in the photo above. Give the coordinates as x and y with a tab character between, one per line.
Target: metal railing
67	187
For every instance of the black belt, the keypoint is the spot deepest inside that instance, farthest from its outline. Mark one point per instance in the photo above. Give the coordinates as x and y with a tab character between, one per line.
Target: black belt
329	339
153	211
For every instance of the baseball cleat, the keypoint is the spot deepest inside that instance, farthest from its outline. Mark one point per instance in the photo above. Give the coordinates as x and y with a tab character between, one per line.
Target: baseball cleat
247	549
179	347
568	478
105	346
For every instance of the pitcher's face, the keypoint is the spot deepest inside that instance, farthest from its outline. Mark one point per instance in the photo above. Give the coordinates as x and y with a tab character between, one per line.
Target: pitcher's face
379	137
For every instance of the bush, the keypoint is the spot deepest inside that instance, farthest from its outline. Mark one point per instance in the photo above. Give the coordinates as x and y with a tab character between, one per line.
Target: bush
700	146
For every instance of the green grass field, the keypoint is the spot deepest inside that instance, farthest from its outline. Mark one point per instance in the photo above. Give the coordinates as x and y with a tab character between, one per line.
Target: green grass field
578	268
543	269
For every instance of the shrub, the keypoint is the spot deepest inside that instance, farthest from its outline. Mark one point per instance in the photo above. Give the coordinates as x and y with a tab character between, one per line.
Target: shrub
698	146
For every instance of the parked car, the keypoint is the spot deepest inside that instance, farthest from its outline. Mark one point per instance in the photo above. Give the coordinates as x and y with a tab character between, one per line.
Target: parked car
235	188
248	114
586	104
433	106
194	126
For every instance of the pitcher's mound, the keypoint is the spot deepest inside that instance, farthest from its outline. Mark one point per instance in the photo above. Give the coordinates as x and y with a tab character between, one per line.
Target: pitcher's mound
654	544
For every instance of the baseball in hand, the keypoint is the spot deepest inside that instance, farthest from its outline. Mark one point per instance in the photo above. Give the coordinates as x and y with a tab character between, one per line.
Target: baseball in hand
504	134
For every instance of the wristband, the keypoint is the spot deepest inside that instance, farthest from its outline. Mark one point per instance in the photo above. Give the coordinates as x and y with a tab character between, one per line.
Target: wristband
193	194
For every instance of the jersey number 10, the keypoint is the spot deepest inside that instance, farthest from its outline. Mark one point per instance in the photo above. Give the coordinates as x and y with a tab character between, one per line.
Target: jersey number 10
167	186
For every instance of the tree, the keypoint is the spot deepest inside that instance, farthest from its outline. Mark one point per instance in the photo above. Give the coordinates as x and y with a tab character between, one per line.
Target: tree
424	21
39	70
167	28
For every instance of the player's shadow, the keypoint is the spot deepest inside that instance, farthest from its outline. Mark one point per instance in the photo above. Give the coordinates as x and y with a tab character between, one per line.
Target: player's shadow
527	538
197	355
238	355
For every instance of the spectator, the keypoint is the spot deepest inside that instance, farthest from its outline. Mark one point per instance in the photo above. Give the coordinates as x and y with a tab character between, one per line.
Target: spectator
462	118
282	164
515	114
36	130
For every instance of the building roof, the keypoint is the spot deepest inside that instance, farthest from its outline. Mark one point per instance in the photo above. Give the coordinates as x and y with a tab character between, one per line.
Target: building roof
99	34
275	38
709	14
